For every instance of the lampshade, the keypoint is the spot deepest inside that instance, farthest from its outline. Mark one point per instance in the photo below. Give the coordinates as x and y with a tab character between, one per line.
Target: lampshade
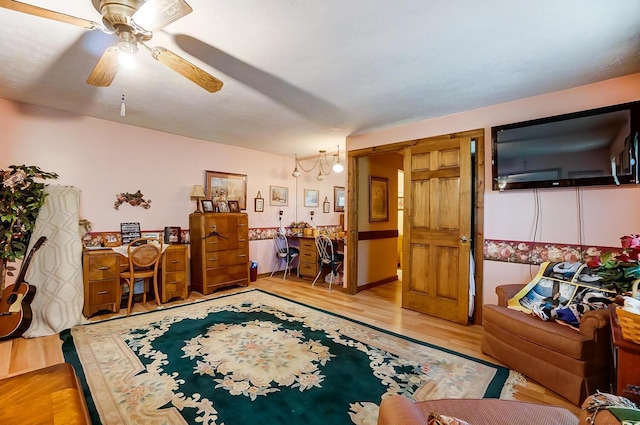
198	191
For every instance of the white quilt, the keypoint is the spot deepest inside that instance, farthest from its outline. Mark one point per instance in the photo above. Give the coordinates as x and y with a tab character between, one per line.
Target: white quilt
56	268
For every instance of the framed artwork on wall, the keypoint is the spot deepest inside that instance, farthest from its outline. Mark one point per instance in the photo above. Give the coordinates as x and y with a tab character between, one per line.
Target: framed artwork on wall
326	205
258	204
311	198
278	195
378	199
226	187
338	198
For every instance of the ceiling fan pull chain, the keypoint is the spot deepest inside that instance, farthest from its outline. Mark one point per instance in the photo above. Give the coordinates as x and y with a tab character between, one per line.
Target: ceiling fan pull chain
123	111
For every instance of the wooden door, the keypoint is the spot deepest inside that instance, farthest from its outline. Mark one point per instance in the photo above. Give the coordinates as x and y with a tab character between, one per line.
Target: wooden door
437	227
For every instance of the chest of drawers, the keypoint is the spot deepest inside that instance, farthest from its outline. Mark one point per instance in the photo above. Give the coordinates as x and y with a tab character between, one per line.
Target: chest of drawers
219	250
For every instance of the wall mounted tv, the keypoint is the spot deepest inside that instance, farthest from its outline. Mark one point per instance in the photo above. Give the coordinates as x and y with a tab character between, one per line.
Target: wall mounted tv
594	147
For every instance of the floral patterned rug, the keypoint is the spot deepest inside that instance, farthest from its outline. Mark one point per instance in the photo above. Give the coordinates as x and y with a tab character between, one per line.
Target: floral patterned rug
253	357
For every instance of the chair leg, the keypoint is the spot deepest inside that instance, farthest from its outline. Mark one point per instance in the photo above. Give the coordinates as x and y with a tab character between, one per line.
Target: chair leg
286	267
130	300
276	263
317	276
156	292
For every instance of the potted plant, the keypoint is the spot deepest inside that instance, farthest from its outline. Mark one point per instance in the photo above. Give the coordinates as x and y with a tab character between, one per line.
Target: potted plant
22	196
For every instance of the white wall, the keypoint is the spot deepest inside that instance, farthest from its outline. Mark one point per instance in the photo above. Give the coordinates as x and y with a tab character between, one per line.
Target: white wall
104	158
607	212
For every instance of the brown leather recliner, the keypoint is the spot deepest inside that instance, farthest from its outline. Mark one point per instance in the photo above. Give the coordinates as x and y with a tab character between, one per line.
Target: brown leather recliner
572	363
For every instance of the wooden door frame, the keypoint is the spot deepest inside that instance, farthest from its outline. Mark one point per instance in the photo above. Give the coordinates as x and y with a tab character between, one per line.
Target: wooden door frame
353	158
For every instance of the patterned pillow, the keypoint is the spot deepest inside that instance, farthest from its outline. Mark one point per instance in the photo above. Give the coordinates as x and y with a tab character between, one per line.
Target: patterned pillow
438	419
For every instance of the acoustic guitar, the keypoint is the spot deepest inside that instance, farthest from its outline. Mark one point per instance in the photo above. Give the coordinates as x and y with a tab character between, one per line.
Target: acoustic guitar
15	304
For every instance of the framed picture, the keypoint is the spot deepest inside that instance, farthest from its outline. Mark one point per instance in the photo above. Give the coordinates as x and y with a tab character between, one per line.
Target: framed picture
129	232
223	206
311	198
258	204
233	206
152	235
326	206
172	234
207	205
278	195
226	187
378	199
338	199
400	203
111	239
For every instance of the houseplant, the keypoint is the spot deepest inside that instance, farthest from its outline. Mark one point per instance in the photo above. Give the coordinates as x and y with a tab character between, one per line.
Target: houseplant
22	196
619	270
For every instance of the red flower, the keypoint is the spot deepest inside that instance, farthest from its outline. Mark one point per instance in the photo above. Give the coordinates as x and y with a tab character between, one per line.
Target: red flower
630	241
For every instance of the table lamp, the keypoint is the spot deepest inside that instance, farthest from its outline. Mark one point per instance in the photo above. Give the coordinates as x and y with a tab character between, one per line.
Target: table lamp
197	193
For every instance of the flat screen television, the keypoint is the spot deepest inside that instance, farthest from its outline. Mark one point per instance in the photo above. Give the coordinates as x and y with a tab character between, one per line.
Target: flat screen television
594	147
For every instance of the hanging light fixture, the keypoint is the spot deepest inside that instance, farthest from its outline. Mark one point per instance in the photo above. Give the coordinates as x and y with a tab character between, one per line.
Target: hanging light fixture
322	162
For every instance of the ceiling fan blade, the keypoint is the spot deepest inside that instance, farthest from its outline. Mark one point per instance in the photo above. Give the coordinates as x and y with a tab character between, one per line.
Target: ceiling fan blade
186	69
106	69
49	14
157	14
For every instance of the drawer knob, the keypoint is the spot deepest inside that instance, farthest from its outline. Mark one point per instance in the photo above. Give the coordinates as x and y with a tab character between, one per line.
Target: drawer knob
104	268
102	292
175	262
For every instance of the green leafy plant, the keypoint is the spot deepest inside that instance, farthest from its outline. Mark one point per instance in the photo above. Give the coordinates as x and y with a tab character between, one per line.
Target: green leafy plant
619	269
21	199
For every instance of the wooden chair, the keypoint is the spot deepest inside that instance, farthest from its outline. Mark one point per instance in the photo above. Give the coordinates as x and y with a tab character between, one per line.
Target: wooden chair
327	257
144	258
284	254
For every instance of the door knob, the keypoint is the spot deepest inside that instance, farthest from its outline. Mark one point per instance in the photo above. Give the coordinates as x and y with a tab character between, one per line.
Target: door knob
463	239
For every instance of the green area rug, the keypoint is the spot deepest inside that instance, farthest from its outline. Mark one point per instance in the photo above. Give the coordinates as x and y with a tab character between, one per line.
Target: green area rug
253	357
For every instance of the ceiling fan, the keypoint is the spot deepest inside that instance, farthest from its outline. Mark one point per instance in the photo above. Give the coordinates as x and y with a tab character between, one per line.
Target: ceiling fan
133	21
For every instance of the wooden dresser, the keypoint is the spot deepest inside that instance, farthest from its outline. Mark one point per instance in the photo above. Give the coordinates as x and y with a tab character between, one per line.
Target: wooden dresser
173	281
101	274
219	250
308	265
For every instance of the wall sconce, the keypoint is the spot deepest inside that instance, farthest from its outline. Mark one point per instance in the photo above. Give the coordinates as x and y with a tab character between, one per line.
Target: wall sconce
321	162
197	193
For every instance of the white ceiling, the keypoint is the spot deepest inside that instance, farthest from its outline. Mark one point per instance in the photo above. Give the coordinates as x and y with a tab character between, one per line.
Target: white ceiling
302	75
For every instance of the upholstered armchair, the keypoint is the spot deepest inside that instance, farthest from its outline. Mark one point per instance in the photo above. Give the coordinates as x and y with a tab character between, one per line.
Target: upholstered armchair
572	363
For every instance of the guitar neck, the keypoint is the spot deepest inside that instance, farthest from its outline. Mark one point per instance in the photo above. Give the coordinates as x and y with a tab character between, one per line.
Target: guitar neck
25	263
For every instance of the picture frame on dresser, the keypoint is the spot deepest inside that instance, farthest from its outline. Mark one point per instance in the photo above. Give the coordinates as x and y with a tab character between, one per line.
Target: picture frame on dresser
226	186
111	239
234	207
207	205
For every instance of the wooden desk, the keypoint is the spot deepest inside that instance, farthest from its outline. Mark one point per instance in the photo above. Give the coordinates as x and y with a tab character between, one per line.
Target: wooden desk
626	358
308	260
51	395
101	275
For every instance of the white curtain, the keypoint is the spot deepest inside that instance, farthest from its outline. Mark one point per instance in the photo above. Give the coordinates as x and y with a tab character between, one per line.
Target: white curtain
56	268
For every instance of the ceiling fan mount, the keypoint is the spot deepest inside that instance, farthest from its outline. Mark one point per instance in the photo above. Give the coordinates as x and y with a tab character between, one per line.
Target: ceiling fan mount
134	22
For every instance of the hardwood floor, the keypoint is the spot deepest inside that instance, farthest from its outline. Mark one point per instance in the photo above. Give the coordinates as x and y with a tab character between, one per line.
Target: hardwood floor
380	307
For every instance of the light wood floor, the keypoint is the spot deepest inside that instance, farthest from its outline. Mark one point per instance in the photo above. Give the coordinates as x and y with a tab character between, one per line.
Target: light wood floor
379	307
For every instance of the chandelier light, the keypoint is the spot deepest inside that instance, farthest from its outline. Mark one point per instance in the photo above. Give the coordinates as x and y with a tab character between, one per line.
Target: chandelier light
322	163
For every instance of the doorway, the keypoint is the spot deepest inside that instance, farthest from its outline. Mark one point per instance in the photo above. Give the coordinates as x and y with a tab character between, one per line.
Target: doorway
461	153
